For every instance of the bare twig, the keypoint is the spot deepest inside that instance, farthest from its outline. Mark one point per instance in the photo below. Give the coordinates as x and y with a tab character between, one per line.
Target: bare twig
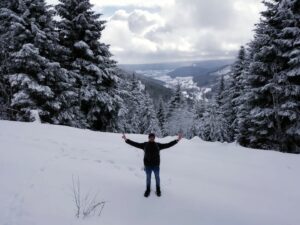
87	205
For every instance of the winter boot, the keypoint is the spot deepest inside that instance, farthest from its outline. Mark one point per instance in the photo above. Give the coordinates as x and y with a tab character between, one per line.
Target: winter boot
158	192
147	192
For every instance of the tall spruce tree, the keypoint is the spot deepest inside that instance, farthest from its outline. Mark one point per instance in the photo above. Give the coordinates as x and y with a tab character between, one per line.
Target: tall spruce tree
262	125
219	98
149	121
237	86
176	101
161	115
174	106
287	76
80	31
30	71
213	125
242	102
227	110
134	97
274	90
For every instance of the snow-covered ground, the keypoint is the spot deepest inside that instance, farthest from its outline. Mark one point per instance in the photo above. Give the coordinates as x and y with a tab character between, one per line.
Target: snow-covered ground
202	183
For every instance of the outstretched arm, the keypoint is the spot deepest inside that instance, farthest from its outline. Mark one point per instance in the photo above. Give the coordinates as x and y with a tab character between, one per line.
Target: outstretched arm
170	144
132	143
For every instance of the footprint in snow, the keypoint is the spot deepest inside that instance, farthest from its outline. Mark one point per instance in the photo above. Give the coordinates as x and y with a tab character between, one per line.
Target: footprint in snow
131	169
98	161
111	161
138	175
57	156
117	167
53	141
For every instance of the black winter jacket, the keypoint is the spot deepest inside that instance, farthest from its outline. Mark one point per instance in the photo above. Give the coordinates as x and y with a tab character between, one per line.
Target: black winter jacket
151	150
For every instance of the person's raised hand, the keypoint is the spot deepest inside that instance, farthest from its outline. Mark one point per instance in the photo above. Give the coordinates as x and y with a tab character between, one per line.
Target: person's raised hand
179	136
124	137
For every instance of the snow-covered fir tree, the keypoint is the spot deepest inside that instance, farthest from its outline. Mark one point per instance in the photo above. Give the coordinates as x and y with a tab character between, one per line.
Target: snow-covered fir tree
149	121
216	116
180	115
199	108
273	96
161	116
89	59
182	120
133	96
213	125
176	101
262	128
287	76
236	87
29	71
219	97
174	105
125	96
227	109
242	104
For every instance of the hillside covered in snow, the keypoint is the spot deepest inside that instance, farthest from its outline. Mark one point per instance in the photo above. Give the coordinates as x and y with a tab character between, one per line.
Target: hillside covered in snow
45	170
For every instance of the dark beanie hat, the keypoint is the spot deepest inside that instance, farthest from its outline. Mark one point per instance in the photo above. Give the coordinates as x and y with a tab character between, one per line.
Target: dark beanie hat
151	135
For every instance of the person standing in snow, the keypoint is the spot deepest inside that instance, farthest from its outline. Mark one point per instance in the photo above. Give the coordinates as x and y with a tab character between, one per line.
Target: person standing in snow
152	158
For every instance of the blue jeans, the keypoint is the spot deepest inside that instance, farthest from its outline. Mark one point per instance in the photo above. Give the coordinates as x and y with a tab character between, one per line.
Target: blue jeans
148	170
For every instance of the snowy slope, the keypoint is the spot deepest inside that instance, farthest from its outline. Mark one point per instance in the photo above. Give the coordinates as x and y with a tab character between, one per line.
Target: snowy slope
202	183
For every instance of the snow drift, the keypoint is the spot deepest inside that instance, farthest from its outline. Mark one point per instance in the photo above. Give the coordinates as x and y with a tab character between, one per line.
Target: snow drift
202	183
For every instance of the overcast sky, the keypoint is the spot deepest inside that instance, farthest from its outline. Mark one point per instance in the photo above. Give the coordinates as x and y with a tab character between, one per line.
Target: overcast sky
153	31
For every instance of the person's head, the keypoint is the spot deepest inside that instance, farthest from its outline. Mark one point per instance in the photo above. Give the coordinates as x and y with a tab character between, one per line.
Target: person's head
151	137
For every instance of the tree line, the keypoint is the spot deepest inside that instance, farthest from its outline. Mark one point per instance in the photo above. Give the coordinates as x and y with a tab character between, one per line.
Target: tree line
60	68
258	105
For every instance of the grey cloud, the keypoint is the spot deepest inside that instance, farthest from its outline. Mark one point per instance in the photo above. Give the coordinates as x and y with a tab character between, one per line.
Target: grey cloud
138	22
157	35
212	28
206	14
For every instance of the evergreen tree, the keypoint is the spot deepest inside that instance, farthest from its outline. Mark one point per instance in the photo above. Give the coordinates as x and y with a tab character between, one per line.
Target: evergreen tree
182	120
138	112
213	125
242	102
224	111
273	94
227	109
80	30
262	125
220	92
149	121
161	115
199	113
29	71
287	76
175	102
174	107
124	88
133	93
237	86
